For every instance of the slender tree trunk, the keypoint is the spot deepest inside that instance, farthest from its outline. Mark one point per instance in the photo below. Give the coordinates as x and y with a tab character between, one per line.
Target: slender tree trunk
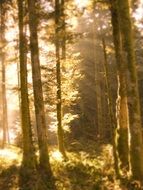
97	85
29	158
132	91
4	104
111	112
4	100
63	30
18	81
121	107
58	75
38	92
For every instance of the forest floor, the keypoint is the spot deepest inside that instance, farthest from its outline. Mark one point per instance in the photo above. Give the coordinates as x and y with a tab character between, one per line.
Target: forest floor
89	167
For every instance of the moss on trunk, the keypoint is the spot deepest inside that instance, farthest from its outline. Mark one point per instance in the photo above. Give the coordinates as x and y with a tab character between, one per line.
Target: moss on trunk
121	102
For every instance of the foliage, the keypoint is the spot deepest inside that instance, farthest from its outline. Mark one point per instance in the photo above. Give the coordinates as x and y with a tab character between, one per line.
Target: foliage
82	170
85	170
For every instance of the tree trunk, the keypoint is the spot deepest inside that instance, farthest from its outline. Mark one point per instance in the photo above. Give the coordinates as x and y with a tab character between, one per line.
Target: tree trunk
121	107
4	100
97	85
38	92
132	91
63	30
58	75
112	117
29	158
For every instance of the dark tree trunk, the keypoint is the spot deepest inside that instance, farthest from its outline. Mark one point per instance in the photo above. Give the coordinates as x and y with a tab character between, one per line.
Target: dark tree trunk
38	92
29	158
121	107
132	91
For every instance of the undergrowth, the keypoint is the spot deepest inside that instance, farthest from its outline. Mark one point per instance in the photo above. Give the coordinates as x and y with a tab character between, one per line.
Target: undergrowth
90	170
89	167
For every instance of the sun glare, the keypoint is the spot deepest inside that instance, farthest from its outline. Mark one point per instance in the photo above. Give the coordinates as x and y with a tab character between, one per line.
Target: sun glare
82	3
10	34
56	155
138	15
10	155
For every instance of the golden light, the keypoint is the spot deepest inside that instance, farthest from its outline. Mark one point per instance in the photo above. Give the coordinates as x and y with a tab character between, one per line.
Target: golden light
138	14
73	21
56	155
11	34
10	155
82	3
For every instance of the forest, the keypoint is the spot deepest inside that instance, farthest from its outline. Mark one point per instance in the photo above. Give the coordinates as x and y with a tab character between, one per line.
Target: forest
71	94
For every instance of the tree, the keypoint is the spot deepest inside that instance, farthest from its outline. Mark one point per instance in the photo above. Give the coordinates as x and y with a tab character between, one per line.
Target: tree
38	92
29	158
132	90
3	63
121	102
112	117
63	29
58	76
97	85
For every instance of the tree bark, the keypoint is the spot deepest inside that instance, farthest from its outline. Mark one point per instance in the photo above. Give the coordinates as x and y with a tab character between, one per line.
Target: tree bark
121	102
112	117
3	61
132	91
58	76
63	30
38	92
29	158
